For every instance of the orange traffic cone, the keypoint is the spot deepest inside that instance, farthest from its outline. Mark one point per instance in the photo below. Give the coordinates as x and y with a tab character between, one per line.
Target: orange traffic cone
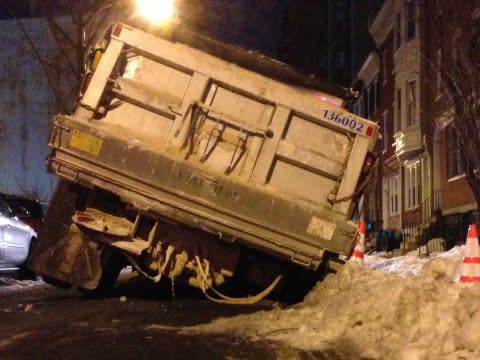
471	260
359	250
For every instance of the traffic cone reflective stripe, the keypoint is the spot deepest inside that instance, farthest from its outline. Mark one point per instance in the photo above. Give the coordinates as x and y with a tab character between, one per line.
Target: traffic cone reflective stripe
472	231
471	260
362	227
359	250
469	279
358	254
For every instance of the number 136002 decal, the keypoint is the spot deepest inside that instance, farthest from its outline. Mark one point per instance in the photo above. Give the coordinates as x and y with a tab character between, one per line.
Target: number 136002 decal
352	124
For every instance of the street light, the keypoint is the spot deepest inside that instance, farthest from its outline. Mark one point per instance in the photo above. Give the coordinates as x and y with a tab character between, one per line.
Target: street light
158	12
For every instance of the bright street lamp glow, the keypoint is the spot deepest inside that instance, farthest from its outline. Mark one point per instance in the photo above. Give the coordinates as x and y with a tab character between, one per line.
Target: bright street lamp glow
157	11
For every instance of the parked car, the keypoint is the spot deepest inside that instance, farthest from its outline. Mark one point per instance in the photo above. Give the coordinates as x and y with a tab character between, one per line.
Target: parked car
16	240
30	211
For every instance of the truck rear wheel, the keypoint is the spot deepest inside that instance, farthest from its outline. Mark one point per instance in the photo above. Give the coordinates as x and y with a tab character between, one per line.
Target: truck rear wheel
112	264
55	282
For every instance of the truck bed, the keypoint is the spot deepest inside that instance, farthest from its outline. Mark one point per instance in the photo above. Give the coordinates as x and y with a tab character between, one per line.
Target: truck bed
178	132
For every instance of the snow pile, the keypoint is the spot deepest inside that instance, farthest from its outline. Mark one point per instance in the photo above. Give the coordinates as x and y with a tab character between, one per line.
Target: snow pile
410	264
374	313
9	284
8	281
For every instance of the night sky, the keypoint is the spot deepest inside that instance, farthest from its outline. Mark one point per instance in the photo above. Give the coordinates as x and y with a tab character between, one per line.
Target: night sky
253	24
29	8
293	31
12	8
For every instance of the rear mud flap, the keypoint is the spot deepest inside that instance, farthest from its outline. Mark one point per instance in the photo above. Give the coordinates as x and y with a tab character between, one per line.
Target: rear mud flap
62	252
73	259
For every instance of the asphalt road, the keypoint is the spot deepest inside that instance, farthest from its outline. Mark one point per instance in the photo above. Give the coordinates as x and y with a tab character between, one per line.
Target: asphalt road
139	321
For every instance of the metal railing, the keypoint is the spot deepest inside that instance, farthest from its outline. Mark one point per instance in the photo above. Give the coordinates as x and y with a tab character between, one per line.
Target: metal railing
422	225
416	229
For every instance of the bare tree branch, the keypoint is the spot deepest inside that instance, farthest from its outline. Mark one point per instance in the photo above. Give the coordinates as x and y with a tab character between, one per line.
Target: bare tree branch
56	30
459	40
40	59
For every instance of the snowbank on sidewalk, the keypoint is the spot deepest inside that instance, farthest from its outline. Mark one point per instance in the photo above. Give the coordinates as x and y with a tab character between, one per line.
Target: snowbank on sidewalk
399	308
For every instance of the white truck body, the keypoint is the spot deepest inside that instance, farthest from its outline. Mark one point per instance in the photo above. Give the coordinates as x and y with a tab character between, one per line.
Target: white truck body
200	141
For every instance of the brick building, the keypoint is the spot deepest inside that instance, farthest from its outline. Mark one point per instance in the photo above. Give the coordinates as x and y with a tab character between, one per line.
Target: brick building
421	191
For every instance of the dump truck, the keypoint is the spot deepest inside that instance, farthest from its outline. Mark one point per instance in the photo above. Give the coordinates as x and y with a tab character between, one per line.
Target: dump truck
203	164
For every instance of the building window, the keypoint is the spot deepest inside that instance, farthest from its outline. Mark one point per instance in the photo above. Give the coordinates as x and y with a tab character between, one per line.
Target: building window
341	59
398	110
384	67
371	207
439	72
373	98
413	185
366	95
369	102
411	19
455	159
394	192
438	7
360	106
411	103
398	31
340	15
386	140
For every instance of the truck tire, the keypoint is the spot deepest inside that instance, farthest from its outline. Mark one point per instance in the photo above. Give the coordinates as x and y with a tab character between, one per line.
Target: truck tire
25	273
112	264
57	283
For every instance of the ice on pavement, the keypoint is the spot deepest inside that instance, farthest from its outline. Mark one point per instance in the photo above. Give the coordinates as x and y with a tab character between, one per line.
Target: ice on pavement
399	308
10	284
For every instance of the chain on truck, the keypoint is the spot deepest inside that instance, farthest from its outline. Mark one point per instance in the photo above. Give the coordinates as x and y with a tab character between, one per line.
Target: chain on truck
193	168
